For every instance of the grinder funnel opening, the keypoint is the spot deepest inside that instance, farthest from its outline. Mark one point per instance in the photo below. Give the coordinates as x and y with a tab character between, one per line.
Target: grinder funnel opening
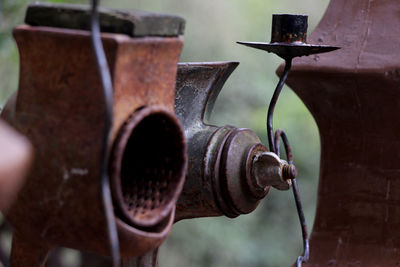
148	167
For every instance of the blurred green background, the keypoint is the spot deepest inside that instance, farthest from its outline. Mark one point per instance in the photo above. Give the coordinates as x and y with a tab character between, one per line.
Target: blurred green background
270	236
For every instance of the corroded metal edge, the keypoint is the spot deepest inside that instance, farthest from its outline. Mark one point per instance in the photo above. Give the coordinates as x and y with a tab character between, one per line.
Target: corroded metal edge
133	23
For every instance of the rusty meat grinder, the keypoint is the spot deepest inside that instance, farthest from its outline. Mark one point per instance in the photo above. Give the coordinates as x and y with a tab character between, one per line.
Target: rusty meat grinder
352	93
229	169
353	96
60	108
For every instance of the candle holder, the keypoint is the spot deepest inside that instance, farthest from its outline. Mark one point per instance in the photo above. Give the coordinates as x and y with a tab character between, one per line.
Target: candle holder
288	40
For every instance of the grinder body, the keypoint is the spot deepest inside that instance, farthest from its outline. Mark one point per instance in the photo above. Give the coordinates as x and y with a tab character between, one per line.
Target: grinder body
59	107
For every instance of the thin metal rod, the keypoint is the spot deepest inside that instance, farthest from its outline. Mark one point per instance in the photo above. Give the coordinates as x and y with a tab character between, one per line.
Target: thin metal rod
274	144
278	135
274	99
305	256
303	224
106	83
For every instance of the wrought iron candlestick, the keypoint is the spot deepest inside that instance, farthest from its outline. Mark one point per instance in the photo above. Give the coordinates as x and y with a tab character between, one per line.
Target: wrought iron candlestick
288	40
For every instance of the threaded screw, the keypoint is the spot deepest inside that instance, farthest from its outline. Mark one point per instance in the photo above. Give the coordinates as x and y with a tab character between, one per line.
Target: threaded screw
289	171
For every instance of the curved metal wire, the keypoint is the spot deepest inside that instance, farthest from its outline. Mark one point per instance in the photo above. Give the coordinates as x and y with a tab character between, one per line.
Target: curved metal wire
106	83
306	246
272	104
306	253
274	145
278	135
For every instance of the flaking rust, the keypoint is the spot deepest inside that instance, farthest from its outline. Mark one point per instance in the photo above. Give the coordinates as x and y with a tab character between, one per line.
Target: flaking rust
220	180
59	107
220	157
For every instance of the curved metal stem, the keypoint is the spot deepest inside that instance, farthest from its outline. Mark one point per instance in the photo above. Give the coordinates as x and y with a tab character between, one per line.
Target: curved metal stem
303	224
274	99
274	144
278	135
106	83
304	258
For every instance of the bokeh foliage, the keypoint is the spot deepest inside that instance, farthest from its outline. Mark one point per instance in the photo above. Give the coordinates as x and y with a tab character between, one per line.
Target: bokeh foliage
270	236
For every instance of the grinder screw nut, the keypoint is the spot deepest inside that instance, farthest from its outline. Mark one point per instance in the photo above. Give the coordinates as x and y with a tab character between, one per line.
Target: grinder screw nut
269	170
289	171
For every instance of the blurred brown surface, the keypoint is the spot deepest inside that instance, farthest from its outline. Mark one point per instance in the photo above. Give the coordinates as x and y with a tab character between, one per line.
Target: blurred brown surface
15	158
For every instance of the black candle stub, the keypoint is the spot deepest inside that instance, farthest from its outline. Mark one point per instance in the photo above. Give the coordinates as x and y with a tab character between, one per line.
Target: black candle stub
289	28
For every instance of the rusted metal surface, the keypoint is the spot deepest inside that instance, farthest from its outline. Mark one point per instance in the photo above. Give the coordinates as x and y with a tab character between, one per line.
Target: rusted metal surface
133	23
353	95
60	109
232	193
15	159
220	178
209	189
288	28
145	184
196	91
